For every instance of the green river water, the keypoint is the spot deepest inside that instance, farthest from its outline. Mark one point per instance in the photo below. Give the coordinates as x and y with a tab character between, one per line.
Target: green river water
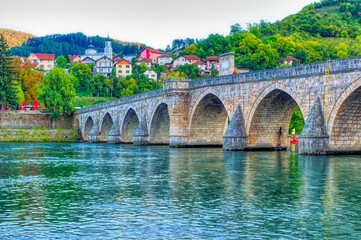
102	191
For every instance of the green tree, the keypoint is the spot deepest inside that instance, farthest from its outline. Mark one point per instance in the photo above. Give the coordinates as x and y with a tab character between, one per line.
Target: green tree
100	85
8	81
176	75
61	62
83	73
297	121
125	87
191	50
57	92
265	56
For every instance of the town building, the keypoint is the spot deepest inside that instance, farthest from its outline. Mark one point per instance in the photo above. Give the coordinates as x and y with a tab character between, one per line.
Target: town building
129	57
147	62
123	68
164	59
151	54
74	58
201	65
212	61
93	54
104	66
42	61
183	60
289	60
151	74
88	60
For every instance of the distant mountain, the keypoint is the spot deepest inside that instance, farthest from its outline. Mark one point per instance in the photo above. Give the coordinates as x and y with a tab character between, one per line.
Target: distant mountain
72	44
15	38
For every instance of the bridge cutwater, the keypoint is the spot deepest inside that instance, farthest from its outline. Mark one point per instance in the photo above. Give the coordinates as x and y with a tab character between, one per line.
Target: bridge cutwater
243	111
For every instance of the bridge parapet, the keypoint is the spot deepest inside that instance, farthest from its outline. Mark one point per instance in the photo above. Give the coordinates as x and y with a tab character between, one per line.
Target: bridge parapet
121	101
304	70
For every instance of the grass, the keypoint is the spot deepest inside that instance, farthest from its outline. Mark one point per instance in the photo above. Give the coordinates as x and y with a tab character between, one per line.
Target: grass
330	10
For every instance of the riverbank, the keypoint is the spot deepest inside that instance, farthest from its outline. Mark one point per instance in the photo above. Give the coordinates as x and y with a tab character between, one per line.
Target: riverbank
38	134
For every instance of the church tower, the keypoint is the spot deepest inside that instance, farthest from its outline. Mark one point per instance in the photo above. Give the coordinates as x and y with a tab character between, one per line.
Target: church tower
108	51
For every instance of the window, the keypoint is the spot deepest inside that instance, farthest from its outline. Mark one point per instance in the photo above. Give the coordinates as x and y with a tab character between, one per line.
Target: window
153	75
42	61
49	66
127	71
120	71
120	66
41	66
49	61
127	66
35	61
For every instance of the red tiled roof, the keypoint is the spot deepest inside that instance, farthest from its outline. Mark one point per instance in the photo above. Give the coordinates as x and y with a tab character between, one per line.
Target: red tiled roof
42	56
122	62
199	62
211	58
290	58
145	60
153	50
192	57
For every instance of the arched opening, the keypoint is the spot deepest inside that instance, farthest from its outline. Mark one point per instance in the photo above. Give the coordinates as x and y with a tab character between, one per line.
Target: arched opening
88	127
209	122
106	126
130	125
159	127
346	130
77	128
269	128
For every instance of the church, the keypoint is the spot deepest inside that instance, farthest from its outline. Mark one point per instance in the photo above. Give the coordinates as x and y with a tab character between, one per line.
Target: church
102	60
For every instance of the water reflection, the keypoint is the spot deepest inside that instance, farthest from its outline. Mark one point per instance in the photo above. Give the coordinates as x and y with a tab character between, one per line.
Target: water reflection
122	191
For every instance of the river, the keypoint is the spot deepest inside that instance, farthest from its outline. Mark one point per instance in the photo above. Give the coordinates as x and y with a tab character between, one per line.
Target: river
103	191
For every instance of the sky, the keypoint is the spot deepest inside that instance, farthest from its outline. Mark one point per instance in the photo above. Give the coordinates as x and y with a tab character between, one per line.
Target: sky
155	23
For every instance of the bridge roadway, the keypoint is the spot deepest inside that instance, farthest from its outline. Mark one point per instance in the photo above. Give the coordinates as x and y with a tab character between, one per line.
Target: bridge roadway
244	111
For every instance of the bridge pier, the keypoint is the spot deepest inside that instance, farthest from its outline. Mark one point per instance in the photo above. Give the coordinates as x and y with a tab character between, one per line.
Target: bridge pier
178	100
141	136
94	134
235	138
314	139
114	134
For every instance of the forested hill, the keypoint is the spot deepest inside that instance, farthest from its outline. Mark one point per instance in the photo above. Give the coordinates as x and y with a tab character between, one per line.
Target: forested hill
15	38
72	44
328	29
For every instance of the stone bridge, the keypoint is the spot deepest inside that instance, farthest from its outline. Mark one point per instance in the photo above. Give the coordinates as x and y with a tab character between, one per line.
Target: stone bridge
244	111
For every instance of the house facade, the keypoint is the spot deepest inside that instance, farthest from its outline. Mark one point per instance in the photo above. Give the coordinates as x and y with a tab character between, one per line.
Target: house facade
151	74
123	68
212	61
104	66
183	60
151	54
42	61
164	59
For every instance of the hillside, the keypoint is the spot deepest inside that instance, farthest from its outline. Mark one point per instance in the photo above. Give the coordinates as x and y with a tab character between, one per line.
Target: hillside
72	44
15	38
329	29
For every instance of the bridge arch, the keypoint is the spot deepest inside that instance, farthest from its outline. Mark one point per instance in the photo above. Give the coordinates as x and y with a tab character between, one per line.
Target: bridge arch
88	127
344	125
270	117
107	124
129	125
159	125
208	122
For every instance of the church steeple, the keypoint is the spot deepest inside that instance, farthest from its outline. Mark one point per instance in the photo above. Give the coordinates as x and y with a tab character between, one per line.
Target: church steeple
108	51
